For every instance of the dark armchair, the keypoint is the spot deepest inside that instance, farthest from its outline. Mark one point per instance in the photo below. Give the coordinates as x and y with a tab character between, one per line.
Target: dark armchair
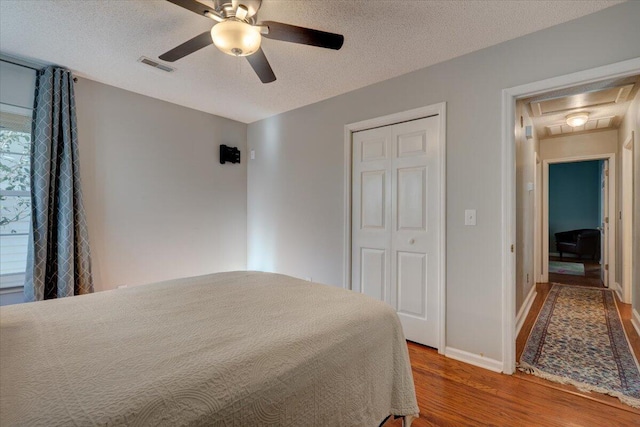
579	242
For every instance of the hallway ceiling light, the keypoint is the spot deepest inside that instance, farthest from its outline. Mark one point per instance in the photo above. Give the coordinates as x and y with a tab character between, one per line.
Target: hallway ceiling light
577	119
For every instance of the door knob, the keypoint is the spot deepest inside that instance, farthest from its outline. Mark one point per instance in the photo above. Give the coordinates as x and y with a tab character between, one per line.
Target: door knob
412	241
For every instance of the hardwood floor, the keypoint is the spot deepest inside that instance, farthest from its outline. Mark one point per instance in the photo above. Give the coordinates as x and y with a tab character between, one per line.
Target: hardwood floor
591	273
625	315
452	393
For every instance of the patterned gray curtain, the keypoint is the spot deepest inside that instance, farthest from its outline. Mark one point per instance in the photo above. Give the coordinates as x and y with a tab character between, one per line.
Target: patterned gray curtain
58	261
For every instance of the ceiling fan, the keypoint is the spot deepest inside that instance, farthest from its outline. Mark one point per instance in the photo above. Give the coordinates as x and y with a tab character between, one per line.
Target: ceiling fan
237	33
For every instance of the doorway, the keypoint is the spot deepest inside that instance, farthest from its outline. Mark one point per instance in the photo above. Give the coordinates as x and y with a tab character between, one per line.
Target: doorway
395	217
510	95
579	195
578	132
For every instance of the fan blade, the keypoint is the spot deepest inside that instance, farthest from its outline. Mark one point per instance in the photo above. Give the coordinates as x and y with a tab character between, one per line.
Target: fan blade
188	47
293	34
192	5
261	66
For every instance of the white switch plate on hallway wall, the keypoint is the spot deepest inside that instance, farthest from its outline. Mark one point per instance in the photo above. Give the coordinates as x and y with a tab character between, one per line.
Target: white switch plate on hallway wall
470	217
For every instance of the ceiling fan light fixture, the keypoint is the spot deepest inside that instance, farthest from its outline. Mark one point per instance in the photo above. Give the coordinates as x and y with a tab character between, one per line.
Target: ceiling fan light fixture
577	119
236	38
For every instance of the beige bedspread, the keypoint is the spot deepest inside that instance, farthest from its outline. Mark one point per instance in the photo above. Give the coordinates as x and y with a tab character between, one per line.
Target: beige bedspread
231	349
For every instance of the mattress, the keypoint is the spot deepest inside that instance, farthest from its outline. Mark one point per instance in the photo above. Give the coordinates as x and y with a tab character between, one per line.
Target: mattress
227	349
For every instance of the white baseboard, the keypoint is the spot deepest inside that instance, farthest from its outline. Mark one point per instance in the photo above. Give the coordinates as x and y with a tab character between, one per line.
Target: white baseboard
617	289
524	310
473	359
635	320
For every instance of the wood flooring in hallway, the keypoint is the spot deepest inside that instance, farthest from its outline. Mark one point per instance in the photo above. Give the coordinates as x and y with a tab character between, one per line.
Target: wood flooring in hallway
452	393
591	273
625	315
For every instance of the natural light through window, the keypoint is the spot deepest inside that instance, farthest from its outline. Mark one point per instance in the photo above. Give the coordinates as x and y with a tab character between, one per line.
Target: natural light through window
15	200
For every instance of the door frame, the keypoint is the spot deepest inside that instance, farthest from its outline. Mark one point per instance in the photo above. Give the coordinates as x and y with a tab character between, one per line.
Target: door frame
508	197
440	110
610	245
537	238
627	226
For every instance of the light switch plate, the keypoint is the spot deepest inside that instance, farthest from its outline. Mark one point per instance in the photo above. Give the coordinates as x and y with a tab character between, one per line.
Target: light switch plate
253	154
528	132
470	217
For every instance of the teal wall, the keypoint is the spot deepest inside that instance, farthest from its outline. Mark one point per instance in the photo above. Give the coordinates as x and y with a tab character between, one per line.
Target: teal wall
574	197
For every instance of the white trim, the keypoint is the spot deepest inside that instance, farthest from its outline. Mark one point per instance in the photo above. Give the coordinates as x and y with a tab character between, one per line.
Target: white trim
11	296
628	143
508	232
439	109
26	63
14	109
544	230
442	287
635	320
346	256
12	290
611	245
524	310
615	286
12	281
537	228
391	119
509	95
626	223
474	359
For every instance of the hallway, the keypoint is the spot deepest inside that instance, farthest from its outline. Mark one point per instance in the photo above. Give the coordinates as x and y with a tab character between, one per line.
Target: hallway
570	182
625	315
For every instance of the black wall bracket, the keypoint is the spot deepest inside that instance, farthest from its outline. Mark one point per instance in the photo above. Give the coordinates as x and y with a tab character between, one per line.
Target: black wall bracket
229	154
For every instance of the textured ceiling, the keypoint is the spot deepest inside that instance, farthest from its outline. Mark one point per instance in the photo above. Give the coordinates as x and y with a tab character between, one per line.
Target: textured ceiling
102	40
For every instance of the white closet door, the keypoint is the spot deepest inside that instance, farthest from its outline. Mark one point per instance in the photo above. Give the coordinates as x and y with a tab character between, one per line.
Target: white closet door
371	210
415	239
395	222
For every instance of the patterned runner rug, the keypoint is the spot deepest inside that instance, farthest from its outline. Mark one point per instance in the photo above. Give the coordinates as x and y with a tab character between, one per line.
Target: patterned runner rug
578	339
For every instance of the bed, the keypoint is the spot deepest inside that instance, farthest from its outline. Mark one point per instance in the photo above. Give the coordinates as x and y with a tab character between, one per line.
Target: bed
228	349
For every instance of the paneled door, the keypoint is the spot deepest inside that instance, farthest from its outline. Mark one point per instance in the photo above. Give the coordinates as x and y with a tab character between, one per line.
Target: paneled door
395	223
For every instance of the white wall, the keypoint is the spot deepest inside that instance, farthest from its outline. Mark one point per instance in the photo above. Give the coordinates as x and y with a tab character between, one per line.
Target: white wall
159	204
525	204
295	185
585	144
631	122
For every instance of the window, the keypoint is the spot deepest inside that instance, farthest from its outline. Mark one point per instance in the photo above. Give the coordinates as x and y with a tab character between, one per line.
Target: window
17	87
15	200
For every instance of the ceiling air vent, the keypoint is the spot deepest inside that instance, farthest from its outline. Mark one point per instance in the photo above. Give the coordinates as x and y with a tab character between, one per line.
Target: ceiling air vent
154	64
